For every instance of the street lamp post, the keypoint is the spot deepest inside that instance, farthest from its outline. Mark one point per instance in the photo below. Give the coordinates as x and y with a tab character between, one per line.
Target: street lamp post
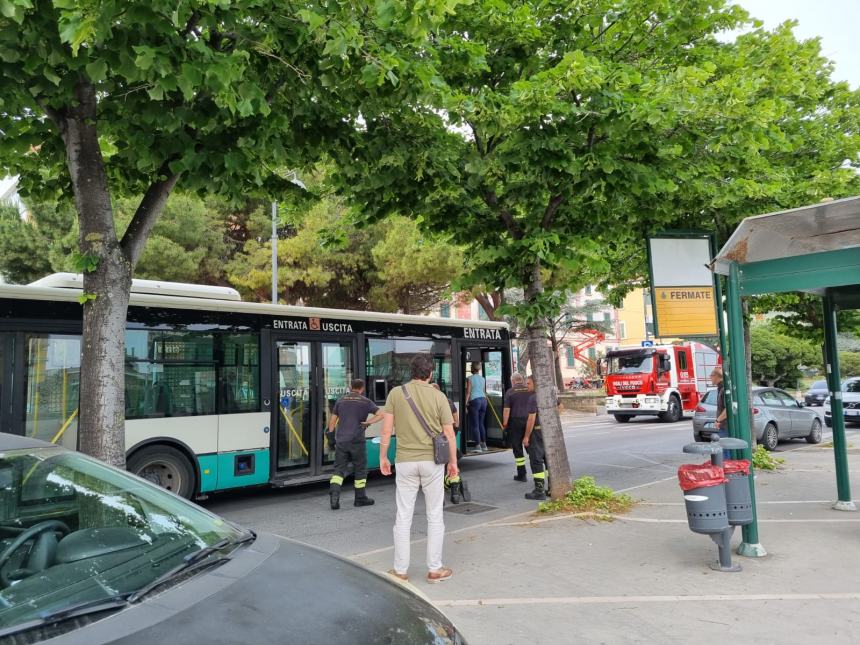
274	253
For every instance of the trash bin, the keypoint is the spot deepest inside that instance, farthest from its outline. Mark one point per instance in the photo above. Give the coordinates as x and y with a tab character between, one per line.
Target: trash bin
738	498
704	487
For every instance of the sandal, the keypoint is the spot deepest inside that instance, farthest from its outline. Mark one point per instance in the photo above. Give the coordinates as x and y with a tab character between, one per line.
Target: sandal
400	576
439	575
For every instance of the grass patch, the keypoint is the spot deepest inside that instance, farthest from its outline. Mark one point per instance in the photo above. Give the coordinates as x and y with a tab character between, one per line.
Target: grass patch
764	460
588	497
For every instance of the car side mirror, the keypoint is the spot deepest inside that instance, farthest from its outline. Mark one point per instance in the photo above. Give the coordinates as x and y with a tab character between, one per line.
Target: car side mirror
801	404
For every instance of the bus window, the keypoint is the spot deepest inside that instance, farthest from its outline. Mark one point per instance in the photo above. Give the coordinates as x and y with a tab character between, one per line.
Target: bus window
52	386
169	374
389	359
239	374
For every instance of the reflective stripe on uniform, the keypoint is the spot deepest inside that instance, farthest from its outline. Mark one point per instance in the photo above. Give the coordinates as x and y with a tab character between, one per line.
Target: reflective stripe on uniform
520	461
360	483
540	475
337	480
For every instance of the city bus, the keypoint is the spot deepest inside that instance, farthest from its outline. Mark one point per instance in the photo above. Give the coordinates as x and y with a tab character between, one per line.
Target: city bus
223	394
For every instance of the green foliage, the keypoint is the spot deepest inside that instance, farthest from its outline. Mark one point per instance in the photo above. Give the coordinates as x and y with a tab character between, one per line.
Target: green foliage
326	261
216	92
849	364
586	497
777	358
84	298
764	460
191	243
84	262
29	248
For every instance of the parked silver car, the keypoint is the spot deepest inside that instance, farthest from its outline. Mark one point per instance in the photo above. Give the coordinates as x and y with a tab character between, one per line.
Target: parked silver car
776	416
850	402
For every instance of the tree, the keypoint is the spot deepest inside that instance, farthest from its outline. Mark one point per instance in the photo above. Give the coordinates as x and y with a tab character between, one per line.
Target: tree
552	129
849	364
571	319
29	248
105	99
190	243
324	260
777	358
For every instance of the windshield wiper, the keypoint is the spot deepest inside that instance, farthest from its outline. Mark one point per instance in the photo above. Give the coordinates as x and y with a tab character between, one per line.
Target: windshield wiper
191	561
96	606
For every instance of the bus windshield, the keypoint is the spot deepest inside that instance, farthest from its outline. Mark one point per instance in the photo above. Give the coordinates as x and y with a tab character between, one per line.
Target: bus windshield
631	364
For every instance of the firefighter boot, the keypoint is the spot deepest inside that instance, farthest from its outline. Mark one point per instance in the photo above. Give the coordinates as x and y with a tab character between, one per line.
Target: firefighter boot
334	496
361	498
539	493
521	474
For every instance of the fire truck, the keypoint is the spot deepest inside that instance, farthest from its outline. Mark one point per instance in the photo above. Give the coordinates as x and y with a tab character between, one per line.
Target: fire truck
661	380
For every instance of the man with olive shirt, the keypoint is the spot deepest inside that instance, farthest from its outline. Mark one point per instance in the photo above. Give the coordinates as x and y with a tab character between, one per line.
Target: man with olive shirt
416	467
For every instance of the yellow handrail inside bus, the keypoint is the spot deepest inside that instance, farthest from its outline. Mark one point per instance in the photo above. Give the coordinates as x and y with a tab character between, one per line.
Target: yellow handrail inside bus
293	429
495	414
65	426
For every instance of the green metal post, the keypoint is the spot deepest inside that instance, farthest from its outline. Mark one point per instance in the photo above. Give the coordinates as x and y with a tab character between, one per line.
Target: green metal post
843	487
750	545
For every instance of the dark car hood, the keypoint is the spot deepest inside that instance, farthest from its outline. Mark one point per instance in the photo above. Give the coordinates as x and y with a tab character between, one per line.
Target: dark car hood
277	591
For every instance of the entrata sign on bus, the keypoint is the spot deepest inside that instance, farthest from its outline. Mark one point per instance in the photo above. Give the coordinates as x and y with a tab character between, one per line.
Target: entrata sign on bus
682	286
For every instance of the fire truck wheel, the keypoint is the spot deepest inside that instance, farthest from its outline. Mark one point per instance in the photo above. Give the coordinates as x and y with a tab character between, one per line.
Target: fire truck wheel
673	413
623	418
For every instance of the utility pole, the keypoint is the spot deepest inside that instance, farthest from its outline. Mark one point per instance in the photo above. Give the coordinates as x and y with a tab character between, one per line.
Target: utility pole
274	253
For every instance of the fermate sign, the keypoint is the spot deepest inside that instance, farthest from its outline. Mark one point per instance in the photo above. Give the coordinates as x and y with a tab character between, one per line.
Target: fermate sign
682	286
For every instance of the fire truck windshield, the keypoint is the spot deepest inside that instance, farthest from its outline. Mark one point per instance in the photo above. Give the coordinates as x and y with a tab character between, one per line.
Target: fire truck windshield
631	364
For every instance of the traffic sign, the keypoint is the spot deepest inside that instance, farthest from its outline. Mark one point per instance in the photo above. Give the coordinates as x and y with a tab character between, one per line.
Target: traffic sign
647	343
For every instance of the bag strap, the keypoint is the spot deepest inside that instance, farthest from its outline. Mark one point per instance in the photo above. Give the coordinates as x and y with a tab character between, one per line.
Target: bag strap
417	412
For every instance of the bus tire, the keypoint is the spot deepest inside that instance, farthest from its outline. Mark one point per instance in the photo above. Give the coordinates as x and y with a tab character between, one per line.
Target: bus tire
623	418
166	467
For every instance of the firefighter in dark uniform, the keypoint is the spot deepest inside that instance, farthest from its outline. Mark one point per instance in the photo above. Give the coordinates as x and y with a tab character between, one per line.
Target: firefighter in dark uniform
533	442
347	425
515	415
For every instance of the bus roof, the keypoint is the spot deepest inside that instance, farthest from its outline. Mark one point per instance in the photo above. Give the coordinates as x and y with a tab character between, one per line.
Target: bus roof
166	298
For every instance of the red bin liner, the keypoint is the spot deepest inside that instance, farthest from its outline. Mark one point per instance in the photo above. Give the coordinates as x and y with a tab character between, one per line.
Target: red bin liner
737	466
692	476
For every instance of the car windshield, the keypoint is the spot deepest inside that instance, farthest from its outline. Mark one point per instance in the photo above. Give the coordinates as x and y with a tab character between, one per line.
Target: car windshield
819	385
631	364
710	398
851	386
85	532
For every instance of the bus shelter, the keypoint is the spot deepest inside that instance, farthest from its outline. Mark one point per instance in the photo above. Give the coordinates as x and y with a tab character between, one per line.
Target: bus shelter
814	249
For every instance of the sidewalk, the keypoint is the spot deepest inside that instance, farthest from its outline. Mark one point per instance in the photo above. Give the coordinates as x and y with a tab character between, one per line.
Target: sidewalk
644	577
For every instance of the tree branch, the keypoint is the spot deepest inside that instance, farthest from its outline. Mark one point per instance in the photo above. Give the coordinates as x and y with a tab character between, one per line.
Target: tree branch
554	202
481	149
147	213
504	215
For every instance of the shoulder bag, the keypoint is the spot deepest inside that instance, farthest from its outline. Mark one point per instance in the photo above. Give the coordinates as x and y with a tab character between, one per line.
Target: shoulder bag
441	447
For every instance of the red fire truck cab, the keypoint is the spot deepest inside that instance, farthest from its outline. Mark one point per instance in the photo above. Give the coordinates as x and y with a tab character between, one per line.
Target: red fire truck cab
662	380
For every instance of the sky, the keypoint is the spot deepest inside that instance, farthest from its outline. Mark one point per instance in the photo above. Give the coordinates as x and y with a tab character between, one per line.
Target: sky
836	22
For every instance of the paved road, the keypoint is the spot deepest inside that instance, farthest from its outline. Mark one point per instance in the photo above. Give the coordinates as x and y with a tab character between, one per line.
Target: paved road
622	456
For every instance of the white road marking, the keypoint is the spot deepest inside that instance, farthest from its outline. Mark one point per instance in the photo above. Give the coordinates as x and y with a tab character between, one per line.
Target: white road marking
625	600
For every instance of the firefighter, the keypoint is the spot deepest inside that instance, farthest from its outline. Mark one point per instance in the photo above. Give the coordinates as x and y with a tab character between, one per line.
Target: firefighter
533	442
515	415
346	431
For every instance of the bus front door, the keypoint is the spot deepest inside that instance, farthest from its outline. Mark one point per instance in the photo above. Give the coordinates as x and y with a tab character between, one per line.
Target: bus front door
309	377
492	365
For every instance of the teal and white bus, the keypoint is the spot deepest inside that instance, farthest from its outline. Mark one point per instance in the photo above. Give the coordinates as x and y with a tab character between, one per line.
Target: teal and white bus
222	394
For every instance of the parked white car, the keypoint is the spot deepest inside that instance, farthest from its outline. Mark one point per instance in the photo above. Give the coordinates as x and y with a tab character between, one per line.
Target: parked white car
850	402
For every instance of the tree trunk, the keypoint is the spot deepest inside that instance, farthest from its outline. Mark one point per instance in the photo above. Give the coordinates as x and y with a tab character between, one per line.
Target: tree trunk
541	362
108	265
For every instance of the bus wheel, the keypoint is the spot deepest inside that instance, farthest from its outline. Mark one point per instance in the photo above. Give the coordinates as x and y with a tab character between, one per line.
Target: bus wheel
165	467
623	418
